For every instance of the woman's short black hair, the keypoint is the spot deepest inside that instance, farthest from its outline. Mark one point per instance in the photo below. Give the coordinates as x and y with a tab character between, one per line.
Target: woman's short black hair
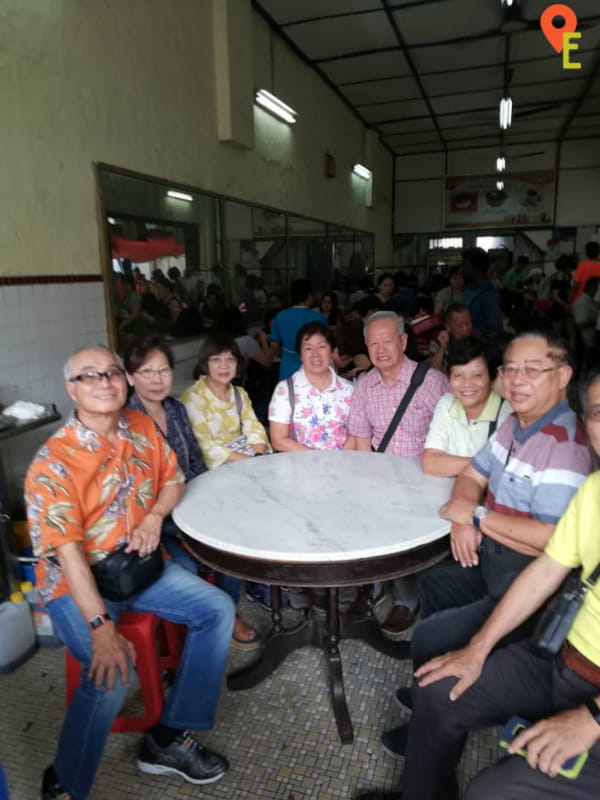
308	330
334	299
214	345
463	351
138	351
384	276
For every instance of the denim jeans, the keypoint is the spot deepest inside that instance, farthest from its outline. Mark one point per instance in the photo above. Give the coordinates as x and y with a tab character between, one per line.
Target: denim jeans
180	597
180	555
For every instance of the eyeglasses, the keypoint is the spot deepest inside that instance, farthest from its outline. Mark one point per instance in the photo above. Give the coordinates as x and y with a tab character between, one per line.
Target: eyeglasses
531	373
92	377
147	374
217	361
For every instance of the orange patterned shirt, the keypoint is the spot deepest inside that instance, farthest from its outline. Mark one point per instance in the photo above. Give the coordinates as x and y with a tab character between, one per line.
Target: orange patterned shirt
79	488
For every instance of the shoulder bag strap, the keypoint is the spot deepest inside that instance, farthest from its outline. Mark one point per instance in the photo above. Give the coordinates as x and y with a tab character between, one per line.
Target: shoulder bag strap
416	380
591	580
494	423
292	400
238	405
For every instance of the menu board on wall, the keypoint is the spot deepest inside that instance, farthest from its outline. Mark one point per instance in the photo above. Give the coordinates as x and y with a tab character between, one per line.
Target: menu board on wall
474	201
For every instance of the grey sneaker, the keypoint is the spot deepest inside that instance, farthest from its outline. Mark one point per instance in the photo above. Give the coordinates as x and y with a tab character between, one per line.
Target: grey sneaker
184	757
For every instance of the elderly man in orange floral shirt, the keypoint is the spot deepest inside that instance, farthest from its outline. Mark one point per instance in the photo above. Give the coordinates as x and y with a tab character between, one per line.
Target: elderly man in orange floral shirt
104	482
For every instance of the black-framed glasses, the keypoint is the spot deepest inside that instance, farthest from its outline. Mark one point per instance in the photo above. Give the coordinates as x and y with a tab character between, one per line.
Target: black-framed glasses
91	376
530	372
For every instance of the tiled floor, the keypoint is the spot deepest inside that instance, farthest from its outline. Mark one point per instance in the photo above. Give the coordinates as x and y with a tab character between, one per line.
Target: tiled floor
280	736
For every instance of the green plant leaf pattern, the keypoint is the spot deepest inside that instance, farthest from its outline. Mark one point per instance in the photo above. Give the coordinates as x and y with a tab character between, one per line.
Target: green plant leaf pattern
100	529
144	493
50	484
57	515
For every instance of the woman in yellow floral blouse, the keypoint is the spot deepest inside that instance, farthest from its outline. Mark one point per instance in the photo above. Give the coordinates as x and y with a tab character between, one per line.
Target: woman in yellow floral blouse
221	414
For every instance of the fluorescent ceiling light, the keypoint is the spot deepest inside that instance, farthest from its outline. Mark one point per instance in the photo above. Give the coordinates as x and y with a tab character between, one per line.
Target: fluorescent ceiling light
500	164
505	113
275	106
507	2
180	195
500	185
365	173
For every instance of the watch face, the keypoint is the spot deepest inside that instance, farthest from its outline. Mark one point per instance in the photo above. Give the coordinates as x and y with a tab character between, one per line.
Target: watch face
481	511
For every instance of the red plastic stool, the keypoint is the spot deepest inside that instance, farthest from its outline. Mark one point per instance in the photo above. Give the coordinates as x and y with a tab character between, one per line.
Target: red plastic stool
158	644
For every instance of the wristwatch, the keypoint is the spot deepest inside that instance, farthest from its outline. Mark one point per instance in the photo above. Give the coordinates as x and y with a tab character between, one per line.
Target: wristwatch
594	709
99	620
479	513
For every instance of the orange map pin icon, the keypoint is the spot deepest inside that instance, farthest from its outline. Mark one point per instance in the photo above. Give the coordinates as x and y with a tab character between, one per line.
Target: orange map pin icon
553	34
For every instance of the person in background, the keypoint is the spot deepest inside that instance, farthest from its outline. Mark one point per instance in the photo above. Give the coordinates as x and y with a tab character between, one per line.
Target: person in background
585	315
484	684
233	323
404	294
330	309
384	290
452	294
586	270
458	326
515	277
106	479
131	321
179	287
149	365
287	324
309	410
480	295
376	397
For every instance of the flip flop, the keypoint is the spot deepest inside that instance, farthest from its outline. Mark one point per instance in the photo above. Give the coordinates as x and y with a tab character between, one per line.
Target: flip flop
247	644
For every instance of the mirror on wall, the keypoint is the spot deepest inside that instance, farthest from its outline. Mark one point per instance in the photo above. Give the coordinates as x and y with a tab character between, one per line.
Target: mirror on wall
177	257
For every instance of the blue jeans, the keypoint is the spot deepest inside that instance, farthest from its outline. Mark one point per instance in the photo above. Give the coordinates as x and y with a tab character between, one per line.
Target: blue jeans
180	597
180	555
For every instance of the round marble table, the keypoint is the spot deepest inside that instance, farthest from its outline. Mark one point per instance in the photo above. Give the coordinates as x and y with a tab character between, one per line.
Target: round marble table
316	519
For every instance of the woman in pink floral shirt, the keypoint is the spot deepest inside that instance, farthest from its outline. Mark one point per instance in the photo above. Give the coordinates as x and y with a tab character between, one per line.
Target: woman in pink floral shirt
309	410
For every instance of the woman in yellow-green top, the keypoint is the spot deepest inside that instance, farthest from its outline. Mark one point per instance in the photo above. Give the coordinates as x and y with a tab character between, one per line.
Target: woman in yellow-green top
220	413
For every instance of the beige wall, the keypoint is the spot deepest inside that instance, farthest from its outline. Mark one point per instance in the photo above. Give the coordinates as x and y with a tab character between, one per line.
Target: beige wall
131	83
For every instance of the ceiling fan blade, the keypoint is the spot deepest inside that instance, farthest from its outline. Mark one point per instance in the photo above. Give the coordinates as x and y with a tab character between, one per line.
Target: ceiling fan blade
527	155
539	110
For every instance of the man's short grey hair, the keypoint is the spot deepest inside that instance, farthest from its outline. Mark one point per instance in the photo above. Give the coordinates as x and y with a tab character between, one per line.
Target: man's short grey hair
68	367
398	319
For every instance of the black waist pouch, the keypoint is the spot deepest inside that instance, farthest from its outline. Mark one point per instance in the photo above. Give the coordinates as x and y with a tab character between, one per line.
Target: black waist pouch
121	575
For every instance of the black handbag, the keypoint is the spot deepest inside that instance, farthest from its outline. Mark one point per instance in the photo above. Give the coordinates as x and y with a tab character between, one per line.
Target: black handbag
556	621
121	575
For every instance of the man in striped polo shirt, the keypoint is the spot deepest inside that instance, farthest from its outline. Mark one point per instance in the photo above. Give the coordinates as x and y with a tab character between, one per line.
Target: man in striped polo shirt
504	505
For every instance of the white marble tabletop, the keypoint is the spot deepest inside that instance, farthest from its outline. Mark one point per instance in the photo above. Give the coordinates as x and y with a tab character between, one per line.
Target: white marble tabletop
317	506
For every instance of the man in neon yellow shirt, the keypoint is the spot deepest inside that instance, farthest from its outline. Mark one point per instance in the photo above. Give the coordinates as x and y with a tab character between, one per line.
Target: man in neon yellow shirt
559	695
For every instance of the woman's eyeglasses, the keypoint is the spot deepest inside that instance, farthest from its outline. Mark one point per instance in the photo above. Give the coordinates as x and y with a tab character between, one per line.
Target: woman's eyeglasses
217	361
147	374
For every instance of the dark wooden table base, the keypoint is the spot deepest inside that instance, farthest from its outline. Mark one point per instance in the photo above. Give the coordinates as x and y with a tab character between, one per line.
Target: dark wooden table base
322	628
